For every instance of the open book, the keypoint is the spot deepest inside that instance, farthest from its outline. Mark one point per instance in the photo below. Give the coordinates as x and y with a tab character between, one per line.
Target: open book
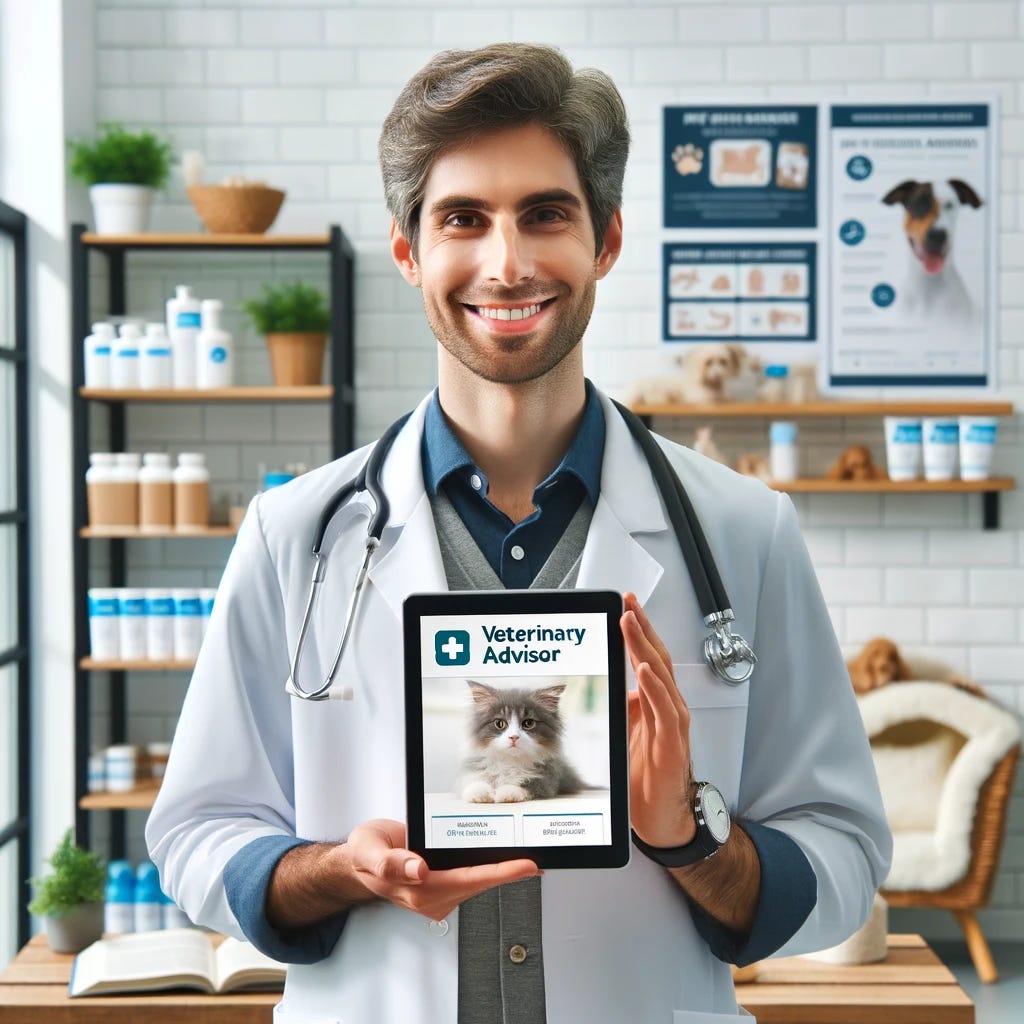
174	958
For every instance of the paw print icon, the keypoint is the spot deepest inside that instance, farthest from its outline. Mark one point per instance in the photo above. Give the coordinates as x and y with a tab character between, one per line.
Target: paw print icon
688	159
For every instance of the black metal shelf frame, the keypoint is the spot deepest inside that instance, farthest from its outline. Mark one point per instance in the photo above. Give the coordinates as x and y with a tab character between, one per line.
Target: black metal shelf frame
14	226
341	271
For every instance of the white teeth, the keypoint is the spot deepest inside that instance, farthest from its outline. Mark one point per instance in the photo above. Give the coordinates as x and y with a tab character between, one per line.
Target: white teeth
504	313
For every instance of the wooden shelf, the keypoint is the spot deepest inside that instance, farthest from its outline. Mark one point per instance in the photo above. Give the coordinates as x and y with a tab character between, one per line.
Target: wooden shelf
134	533
149	665
796	410
141	797
190	240
822	486
269	393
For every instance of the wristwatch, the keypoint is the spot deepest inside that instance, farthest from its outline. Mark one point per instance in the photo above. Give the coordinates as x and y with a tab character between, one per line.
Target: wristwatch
711	813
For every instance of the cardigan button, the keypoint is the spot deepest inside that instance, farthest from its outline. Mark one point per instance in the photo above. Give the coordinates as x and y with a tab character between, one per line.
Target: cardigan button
517	954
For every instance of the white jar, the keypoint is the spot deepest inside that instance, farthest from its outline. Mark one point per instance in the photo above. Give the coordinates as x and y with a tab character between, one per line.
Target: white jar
188	624
903	447
783	455
977	443
99	349
940	444
214	350
156	492
104	624
131	604
120	764
157	755
101	496
206	599
159	625
97	777
124	371
191	492
126	482
155	365
183	323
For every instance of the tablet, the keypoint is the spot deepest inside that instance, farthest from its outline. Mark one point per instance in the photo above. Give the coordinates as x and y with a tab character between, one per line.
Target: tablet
515	719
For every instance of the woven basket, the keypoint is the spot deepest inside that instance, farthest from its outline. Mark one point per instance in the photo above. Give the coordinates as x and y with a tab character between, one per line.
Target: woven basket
236	210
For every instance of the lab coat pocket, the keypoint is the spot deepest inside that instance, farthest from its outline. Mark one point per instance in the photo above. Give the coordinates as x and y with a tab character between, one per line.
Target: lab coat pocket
701	1017
718	725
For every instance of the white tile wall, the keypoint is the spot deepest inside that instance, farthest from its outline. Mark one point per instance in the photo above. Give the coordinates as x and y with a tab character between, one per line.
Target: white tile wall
294	91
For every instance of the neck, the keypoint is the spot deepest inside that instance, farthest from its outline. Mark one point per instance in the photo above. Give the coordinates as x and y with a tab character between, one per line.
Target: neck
516	433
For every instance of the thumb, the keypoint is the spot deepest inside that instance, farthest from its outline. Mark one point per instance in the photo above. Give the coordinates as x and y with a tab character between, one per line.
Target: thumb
399	866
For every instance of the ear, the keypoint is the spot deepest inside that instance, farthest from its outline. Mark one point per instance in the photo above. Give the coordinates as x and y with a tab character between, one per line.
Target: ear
902	668
548	697
901	193
737	353
964	192
611	245
401	253
481	694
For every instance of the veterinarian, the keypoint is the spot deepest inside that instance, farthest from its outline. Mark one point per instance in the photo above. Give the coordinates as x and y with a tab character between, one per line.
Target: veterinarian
281	820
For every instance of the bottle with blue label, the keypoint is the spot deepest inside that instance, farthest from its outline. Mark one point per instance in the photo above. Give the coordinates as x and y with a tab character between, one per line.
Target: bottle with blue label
119	909
214	362
99	347
124	367
183	323
104	624
155	364
149	900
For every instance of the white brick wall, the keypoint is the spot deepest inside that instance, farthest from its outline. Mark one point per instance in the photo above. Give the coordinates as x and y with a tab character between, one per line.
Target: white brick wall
294	91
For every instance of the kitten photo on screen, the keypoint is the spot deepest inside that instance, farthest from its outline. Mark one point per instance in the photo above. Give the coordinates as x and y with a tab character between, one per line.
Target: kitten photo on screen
516	746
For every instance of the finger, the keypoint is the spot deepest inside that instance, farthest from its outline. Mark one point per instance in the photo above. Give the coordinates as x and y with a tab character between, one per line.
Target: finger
642	650
484	876
652	690
650	632
399	867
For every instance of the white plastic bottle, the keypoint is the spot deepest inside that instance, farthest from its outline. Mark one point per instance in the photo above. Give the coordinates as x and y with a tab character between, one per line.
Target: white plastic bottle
207	595
156	492
214	359
183	323
191	492
149	902
783	454
188	624
155	364
119	909
124	367
131	606
104	624
159	625
101	495
99	349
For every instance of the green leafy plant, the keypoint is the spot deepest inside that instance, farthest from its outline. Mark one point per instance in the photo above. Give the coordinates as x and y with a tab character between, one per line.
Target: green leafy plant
289	308
78	877
121	157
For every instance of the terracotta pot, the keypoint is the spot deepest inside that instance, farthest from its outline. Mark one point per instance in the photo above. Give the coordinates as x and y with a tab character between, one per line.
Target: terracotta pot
297	358
78	928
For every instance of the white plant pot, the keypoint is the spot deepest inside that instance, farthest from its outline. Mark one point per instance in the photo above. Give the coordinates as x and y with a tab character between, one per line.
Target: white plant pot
121	209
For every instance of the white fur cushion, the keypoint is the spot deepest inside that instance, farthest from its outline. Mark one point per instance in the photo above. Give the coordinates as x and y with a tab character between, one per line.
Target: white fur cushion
934	747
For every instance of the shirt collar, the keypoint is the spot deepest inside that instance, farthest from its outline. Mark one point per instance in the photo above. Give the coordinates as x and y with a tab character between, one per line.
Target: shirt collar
443	453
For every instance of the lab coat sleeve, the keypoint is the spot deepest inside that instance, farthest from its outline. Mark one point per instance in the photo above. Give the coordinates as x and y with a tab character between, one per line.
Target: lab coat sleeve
229	780
807	766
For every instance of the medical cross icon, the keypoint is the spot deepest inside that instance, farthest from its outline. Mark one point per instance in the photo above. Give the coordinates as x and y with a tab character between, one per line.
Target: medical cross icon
451	647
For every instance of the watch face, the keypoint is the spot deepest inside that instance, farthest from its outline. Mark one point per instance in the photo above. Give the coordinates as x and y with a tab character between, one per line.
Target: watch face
716	813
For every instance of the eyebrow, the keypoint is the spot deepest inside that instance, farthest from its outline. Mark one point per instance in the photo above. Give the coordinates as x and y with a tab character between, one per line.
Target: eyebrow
554	195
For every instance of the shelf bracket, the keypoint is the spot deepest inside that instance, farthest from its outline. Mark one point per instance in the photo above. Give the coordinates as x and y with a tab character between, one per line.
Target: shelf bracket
990	510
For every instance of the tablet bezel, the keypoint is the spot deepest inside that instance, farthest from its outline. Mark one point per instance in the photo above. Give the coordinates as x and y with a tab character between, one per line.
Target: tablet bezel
517	602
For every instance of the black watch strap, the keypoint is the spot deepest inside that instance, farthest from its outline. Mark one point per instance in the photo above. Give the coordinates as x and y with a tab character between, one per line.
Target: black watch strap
699	848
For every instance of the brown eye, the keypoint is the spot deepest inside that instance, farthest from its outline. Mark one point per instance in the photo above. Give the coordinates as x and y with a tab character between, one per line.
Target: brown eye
529	723
500	724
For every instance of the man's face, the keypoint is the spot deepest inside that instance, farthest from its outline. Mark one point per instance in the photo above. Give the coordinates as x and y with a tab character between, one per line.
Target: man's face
506	254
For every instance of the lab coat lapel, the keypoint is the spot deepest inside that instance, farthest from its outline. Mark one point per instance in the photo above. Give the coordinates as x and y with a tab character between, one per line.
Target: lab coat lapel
629	504
411	562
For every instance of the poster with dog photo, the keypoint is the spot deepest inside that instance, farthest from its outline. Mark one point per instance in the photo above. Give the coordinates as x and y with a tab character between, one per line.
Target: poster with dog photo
912	222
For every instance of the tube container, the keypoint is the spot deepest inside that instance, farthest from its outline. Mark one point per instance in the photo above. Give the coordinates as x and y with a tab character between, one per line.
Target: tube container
104	624
188	624
940	444
977	442
903	447
99	349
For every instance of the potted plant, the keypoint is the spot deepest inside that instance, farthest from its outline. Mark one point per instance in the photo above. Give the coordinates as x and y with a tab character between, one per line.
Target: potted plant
122	169
71	898
294	318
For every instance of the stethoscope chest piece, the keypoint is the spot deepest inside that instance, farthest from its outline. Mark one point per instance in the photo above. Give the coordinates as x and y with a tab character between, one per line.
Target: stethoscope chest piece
726	653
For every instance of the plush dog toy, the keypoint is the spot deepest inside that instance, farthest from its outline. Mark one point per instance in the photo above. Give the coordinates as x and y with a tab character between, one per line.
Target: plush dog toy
705	372
880	662
856	464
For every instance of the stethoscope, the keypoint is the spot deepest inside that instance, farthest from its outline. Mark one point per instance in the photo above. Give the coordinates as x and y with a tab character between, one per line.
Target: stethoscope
725	652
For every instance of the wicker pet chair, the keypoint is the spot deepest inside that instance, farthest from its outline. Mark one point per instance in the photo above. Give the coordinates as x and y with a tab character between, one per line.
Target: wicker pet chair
972	890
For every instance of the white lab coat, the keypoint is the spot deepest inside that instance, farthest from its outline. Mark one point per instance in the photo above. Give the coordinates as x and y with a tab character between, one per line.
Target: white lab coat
787	749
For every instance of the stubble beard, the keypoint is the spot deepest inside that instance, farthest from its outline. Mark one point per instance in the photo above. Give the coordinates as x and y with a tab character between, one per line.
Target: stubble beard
503	366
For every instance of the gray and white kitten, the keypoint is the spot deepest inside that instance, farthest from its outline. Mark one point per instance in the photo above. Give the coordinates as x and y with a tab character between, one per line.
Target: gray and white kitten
516	747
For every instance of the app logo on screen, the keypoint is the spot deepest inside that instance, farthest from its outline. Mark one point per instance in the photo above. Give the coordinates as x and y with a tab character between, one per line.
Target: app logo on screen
451	647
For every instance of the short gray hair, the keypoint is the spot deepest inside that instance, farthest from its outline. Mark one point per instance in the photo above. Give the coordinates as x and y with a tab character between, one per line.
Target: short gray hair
461	94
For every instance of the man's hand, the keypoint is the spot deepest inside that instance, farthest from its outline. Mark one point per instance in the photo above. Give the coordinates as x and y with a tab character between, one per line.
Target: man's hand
379	862
660	778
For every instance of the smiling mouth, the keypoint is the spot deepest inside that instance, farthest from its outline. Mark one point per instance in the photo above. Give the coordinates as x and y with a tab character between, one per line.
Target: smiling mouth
509	312
933	262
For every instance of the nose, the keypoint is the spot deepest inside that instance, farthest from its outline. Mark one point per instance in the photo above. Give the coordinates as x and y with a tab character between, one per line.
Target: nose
508	259
935	239
513	739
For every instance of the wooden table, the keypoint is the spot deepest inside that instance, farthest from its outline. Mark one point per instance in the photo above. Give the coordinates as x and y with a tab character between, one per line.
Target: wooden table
911	986
34	990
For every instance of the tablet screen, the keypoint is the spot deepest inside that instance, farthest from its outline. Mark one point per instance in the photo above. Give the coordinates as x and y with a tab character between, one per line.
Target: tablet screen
515	714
